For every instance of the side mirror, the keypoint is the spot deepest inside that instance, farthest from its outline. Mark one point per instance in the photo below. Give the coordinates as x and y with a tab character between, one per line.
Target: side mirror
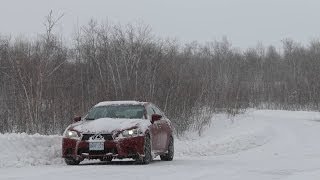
77	119
155	117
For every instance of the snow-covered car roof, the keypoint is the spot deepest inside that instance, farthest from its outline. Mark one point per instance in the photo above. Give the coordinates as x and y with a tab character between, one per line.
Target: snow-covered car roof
108	103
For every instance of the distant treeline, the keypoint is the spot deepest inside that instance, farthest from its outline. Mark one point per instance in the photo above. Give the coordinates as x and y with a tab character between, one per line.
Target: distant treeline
44	82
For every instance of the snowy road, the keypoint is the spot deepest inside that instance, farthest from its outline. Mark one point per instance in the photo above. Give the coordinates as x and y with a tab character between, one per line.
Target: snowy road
256	145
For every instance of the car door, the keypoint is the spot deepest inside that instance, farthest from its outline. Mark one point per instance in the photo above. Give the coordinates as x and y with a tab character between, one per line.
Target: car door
167	132
163	129
154	130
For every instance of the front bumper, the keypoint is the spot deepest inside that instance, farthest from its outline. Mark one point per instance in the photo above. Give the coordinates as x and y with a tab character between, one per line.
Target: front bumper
123	148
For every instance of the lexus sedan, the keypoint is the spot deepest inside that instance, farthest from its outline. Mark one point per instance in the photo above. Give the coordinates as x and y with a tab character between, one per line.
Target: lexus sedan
119	129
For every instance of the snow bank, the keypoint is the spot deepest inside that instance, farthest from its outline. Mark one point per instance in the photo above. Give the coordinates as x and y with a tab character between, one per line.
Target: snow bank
225	135
18	150
259	144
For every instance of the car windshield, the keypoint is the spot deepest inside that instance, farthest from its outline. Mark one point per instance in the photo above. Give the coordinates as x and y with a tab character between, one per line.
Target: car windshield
116	111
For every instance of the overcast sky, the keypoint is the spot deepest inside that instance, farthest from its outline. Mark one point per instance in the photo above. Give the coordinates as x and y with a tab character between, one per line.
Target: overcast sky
243	22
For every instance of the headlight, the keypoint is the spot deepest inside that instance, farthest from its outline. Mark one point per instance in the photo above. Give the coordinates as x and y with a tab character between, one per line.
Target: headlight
131	133
71	134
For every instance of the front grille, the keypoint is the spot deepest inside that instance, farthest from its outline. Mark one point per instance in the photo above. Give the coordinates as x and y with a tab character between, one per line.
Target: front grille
86	137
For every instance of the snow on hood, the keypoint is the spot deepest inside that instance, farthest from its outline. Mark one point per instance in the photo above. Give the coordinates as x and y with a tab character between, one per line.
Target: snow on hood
109	125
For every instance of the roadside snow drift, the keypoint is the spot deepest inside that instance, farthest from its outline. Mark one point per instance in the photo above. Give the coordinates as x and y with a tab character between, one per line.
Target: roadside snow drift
259	144
18	150
225	135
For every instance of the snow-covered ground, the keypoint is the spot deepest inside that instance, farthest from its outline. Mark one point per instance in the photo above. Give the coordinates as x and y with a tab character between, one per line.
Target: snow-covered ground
259	144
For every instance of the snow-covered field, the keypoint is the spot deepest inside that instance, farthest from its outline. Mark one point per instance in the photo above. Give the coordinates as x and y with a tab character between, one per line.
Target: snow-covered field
259	144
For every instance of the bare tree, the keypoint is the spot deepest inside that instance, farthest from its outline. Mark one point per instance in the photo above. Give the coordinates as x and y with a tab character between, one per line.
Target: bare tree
43	83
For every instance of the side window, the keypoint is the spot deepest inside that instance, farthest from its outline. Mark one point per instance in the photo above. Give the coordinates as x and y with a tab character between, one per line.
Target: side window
150	111
157	110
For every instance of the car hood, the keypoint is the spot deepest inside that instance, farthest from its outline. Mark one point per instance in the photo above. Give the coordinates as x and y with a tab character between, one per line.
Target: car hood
109	125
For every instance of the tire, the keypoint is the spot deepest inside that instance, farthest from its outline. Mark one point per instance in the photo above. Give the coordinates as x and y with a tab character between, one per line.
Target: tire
147	158
71	161
169	156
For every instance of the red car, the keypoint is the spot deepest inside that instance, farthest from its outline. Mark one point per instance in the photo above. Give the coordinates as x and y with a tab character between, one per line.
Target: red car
119	129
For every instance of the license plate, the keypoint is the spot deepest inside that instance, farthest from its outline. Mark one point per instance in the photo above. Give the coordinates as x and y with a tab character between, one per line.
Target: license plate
96	146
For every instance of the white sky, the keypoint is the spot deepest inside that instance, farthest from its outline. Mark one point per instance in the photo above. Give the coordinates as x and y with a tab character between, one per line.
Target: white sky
243	22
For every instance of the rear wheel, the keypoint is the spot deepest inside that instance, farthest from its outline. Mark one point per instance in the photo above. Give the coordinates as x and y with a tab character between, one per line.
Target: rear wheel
147	158
71	161
169	156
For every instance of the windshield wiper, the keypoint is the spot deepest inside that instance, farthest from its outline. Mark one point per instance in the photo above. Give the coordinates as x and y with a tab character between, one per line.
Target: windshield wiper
89	118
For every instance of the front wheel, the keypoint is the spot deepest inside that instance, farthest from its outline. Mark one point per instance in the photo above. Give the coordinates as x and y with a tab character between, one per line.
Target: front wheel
147	158
169	156
71	161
